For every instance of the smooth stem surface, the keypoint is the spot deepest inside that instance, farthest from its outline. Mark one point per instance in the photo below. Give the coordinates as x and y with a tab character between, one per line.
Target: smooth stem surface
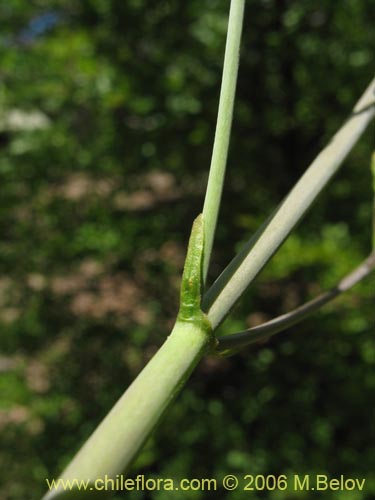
229	344
117	440
226	290
223	128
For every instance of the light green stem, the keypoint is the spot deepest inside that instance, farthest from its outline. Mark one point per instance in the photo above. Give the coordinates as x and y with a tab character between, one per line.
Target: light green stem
229	286
117	440
112	447
223	128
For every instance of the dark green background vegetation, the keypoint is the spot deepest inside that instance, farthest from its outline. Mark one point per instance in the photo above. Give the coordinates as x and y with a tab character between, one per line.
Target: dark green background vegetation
107	115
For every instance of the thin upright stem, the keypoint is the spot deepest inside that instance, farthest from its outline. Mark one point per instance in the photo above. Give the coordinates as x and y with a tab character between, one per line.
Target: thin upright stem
223	128
230	285
229	344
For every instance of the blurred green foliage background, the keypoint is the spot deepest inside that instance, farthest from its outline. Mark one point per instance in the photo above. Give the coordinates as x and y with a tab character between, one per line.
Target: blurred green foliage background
107	116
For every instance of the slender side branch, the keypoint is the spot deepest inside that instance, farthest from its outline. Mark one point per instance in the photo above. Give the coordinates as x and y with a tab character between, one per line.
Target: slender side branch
229	344
223	127
226	290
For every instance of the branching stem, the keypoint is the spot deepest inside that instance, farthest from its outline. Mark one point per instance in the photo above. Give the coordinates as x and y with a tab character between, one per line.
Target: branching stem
230	285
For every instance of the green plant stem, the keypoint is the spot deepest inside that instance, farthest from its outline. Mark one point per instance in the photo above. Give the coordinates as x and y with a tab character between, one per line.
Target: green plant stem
223	128
116	441
226	290
229	344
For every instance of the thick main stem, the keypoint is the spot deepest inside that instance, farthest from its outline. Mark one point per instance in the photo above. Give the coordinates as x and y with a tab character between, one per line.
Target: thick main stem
116	441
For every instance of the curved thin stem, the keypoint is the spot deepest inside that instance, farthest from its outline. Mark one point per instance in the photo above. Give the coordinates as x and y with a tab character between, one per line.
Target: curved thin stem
223	128
227	289
229	344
